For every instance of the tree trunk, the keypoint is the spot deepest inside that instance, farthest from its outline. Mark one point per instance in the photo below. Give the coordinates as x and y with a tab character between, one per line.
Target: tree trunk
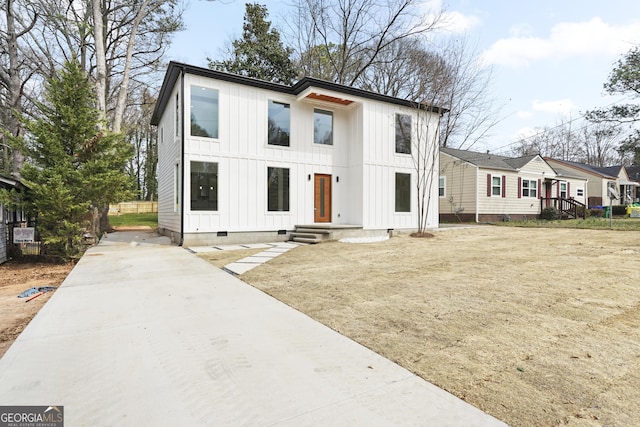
101	60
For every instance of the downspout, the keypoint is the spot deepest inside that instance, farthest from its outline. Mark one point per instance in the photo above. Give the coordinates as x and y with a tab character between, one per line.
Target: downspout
182	205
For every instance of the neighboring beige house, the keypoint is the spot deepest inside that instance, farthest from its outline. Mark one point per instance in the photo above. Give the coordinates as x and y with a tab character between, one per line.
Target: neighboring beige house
634	175
600	178
485	187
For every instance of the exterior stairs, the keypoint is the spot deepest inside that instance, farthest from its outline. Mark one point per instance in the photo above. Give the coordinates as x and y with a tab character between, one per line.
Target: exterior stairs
310	235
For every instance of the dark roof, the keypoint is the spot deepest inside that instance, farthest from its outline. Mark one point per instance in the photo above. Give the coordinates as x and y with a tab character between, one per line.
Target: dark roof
10	182
488	160
610	172
174	70
634	172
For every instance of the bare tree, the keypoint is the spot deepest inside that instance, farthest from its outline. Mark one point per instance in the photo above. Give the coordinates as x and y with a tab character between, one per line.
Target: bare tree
340	40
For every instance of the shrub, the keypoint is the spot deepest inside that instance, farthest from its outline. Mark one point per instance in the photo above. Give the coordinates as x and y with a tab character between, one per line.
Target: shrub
550	213
595	212
619	210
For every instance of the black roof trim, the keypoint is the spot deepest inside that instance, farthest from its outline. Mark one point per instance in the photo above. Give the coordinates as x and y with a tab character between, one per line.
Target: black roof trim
174	70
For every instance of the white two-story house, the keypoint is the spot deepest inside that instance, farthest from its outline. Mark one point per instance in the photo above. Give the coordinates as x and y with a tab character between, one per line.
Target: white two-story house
242	160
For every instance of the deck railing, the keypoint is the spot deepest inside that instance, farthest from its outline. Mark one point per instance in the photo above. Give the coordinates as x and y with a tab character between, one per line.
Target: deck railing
569	208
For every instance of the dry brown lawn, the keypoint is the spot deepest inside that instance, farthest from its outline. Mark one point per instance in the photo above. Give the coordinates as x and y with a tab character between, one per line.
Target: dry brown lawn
534	326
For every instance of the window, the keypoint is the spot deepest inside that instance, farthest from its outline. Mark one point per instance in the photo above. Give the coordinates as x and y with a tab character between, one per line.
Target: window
204	112
403	133
441	186
322	127
403	192
177	123
278	189
204	186
563	190
496	186
279	121
529	188
176	187
580	192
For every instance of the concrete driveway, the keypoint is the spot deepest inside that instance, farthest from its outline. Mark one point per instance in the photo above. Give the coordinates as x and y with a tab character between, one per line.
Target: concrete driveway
145	333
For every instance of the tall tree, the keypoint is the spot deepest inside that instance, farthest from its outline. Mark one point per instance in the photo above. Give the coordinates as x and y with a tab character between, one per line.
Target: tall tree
260	52
75	163
349	36
624	80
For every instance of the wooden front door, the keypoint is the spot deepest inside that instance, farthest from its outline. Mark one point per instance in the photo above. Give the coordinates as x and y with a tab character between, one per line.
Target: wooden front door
322	198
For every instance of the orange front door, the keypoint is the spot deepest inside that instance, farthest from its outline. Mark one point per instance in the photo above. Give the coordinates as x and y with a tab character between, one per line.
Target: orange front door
322	198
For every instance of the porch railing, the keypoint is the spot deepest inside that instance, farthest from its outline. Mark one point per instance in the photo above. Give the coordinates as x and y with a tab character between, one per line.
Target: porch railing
567	207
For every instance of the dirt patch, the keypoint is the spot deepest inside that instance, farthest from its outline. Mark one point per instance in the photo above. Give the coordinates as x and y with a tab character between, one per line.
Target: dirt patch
534	326
16	313
222	258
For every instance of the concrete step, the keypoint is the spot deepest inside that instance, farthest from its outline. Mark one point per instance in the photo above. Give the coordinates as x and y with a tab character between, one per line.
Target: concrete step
312	230
305	240
307	235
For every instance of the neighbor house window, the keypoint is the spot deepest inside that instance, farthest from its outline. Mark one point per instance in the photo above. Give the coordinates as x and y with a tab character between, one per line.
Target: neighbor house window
204	112
279	123
563	190
580	192
496	186
403	192
441	186
323	127
278	189
204	186
529	188
403	133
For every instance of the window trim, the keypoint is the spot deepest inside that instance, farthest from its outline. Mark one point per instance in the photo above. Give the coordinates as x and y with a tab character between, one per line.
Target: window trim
288	104
287	199
330	114
499	186
397	124
444	186
580	192
528	189
408	201
191	94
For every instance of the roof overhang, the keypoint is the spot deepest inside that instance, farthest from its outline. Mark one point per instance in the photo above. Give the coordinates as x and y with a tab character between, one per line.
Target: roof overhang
630	183
317	95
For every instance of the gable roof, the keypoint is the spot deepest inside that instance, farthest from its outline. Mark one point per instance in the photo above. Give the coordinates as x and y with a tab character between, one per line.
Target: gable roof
610	172
634	172
174	70
488	160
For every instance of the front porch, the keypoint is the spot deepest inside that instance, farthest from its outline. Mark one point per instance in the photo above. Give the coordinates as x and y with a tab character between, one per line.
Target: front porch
568	208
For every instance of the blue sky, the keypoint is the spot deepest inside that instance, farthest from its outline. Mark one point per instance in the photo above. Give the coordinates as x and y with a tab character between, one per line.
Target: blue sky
550	58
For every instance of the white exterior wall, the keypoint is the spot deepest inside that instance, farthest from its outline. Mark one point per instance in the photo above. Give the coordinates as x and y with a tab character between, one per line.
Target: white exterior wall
362	162
168	156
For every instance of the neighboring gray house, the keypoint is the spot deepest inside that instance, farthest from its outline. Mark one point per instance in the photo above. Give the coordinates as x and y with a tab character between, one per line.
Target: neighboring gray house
6	217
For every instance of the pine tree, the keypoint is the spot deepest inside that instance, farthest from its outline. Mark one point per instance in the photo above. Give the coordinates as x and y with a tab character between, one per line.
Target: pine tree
260	52
74	163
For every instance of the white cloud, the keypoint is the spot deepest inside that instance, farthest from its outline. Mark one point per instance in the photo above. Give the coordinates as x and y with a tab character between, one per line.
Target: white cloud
524	114
560	106
593	37
525	132
450	21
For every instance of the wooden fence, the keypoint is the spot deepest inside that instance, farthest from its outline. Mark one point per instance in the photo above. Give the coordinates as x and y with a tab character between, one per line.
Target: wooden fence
133	207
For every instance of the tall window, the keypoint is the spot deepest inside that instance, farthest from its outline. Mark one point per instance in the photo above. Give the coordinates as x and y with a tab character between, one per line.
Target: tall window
403	192
323	127
441	186
177	123
204	112
529	188
204	186
403	133
176	187
278	189
496	186
279	123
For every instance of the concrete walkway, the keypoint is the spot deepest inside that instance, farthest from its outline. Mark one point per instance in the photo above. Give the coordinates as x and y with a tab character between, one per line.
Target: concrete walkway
147	333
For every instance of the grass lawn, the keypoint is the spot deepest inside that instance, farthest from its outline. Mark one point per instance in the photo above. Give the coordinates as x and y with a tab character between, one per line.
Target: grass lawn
143	219
534	326
617	223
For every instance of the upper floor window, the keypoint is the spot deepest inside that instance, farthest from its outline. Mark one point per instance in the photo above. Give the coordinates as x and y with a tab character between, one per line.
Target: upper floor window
323	127
403	133
279	123
204	112
529	188
177	121
441	186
